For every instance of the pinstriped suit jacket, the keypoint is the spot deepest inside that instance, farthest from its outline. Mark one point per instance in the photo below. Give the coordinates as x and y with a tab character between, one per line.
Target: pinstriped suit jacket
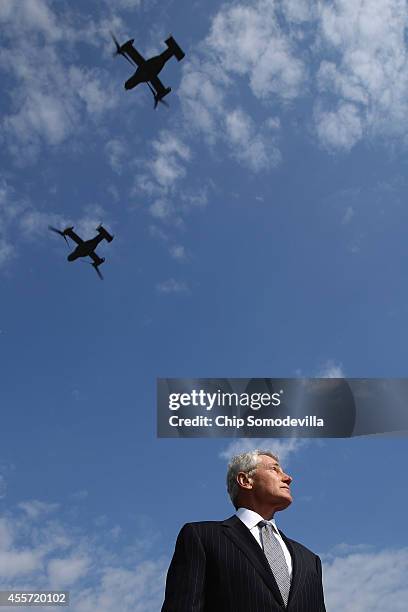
219	567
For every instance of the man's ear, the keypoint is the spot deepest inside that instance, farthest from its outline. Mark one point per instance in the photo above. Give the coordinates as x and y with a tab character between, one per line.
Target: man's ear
244	480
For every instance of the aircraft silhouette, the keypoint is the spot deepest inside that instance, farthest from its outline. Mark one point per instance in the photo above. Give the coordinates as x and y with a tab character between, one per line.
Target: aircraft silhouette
85	247
147	70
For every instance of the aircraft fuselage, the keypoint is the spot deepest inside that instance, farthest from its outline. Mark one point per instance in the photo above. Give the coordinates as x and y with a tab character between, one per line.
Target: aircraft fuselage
85	248
149	69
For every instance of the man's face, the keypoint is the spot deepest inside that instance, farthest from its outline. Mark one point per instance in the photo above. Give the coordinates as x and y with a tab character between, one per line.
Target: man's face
270	484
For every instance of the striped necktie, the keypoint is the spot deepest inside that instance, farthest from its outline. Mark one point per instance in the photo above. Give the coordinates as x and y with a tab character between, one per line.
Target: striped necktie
276	559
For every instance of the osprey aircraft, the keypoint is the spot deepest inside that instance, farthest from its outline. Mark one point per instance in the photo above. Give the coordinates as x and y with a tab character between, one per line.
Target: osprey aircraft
147	70
85	247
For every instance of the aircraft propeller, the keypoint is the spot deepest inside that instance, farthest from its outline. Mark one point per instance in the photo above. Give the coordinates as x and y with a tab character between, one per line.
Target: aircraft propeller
57	231
97	270
119	50
95	266
156	99
164	102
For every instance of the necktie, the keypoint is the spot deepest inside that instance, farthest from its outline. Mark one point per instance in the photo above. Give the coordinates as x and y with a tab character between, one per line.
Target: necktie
276	559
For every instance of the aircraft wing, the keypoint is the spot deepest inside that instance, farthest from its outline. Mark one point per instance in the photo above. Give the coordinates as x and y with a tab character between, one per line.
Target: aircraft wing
71	234
159	87
129	49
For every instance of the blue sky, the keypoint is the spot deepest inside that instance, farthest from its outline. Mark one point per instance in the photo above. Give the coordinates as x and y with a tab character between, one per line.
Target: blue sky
260	230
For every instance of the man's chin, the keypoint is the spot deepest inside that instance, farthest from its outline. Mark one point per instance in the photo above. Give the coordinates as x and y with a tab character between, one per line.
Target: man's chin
285	502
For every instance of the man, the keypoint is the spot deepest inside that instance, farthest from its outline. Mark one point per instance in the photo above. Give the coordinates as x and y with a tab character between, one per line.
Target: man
244	564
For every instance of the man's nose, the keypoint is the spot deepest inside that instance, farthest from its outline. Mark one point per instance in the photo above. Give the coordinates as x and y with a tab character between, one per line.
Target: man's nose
286	478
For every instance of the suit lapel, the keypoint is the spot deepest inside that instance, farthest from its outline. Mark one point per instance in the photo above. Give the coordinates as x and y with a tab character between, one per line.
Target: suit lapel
240	535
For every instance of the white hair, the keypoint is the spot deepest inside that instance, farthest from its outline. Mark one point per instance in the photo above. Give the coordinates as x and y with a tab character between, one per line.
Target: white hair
245	462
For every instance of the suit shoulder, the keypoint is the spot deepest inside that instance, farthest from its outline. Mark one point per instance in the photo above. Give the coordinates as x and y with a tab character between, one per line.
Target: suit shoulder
203	525
201	528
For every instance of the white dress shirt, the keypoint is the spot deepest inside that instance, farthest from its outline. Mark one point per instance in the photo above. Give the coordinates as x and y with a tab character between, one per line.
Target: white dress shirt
251	520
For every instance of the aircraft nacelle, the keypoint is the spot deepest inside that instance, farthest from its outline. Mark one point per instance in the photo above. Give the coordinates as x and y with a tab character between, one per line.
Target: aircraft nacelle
98	261
104	233
159	96
174	48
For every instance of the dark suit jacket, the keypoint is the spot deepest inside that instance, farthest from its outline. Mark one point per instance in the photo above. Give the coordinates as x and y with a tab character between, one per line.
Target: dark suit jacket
220	567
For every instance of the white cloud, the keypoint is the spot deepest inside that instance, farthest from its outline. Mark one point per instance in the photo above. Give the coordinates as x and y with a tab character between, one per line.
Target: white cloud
254	148
80	495
115	150
162	177
193	199
42	115
280	447
65	572
248	40
203	94
36	509
6	536
367	581
94	214
364	85
348	215
164	169
331	369
178	252
298	11
43	553
126	4
3	487
161	209
34	15
139	589
158	232
10	210
15	564
10	206
90	86
7	252
244	42
33	223
16	560
361	80
168	163
47	100
339	129
172	286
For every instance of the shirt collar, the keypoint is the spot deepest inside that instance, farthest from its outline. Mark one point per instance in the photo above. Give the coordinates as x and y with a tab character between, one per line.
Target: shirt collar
251	518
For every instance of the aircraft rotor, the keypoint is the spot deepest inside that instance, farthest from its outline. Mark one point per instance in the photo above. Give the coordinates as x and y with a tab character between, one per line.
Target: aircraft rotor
57	231
97	270
95	267
156	98
119	50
